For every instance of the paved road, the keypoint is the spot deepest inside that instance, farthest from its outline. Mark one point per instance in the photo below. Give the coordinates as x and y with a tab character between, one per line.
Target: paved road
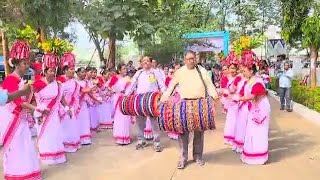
294	155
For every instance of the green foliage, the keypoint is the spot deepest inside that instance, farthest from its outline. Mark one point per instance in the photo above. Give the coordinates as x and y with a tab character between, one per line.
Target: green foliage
11	11
184	17
295	13
52	14
117	18
26	33
309	97
249	17
311	31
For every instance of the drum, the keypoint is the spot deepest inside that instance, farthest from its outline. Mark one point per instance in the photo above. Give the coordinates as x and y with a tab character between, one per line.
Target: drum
140	104
187	116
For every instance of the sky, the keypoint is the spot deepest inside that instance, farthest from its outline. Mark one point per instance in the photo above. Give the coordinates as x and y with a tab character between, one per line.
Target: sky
82	36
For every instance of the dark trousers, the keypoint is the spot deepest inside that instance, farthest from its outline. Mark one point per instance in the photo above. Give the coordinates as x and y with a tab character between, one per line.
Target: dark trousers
285	97
197	145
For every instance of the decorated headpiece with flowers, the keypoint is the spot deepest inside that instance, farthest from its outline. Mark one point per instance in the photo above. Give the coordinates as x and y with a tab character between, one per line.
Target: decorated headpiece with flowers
232	58
68	58
20	49
57	53
243	49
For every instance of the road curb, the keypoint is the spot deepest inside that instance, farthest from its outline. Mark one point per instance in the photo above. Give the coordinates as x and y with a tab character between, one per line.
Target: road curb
300	109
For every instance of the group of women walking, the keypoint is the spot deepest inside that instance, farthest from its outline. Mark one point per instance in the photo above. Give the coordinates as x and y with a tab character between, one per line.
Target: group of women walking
67	109
247	110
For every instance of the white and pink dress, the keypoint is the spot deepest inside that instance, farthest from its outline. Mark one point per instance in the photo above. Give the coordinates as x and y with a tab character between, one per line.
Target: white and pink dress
147	132
105	109
255	148
241	119
50	133
83	114
70	124
122	123
93	109
232	111
20	159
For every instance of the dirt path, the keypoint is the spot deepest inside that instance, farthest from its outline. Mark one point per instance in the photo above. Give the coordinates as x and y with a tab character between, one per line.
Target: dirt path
294	154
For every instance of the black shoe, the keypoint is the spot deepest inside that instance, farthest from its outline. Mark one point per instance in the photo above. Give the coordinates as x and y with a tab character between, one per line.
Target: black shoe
282	108
289	110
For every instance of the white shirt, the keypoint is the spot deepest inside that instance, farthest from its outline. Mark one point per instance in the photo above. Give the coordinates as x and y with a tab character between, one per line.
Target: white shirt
146	81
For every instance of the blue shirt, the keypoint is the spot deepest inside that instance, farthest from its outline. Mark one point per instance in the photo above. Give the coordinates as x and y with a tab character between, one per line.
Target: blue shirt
3	97
285	78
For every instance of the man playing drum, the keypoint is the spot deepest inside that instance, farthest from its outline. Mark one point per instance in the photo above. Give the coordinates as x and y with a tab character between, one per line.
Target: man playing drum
194	83
144	81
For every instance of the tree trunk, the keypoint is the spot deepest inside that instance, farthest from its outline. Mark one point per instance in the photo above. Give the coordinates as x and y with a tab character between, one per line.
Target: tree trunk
313	66
43	34
112	51
5	47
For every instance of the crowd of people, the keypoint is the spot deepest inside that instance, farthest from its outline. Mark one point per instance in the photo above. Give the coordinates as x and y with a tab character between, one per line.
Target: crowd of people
68	106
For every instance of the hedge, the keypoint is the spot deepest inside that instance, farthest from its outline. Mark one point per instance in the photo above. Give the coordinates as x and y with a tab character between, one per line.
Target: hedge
303	94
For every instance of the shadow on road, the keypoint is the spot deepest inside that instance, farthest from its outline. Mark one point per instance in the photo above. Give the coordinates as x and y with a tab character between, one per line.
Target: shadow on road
282	143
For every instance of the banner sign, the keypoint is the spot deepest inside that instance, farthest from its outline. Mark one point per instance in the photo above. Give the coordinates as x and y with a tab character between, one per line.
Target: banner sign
208	42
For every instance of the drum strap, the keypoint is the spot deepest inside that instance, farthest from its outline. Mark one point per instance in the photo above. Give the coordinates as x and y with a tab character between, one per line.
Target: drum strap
134	87
205	86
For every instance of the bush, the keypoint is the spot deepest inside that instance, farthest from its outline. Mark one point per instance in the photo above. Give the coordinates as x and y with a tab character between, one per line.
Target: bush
303	94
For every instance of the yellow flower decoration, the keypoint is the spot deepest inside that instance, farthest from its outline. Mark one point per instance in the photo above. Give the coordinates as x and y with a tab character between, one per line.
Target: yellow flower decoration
57	46
152	79
247	43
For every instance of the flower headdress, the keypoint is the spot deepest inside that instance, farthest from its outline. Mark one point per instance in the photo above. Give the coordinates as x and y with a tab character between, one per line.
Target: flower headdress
243	49
20	49
232	58
57	53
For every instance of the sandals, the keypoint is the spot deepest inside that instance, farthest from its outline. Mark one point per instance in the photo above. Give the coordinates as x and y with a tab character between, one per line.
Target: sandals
200	162
157	148
181	165
141	145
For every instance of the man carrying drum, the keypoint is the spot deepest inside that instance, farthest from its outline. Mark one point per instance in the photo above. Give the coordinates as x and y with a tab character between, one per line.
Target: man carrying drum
194	83
147	80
